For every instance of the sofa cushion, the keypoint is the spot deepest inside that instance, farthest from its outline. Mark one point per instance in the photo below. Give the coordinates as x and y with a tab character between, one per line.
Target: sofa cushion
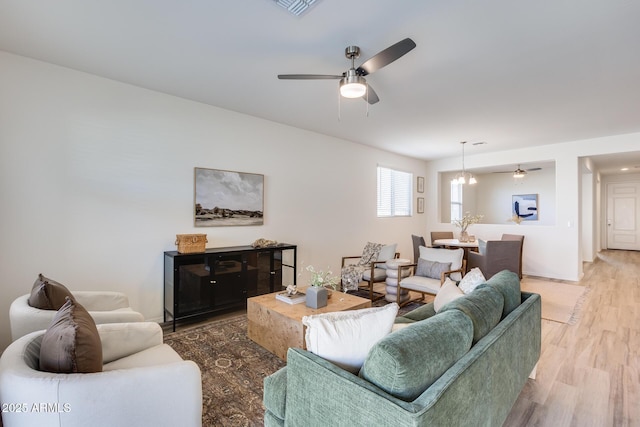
508	284
454	256
483	306
47	294
432	269
407	362
447	293
471	280
72	343
345	337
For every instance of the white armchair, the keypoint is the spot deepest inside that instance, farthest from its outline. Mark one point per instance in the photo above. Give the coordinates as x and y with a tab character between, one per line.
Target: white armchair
103	306
428	283
144	383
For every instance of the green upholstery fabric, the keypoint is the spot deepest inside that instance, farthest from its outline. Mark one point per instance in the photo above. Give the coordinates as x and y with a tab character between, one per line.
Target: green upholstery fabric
508	284
276	401
478	390
271	420
420	313
408	361
483	306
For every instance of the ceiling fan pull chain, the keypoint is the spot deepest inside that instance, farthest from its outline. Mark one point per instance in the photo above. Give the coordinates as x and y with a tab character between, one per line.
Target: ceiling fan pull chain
367	95
339	107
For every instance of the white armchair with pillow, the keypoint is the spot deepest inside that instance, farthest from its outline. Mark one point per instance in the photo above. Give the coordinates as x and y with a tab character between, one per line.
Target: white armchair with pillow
429	273
34	312
143	383
370	268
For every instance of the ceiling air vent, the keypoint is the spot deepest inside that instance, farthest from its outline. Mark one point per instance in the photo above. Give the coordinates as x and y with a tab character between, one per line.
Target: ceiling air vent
295	7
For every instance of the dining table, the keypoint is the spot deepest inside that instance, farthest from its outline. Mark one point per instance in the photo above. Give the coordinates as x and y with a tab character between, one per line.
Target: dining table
455	243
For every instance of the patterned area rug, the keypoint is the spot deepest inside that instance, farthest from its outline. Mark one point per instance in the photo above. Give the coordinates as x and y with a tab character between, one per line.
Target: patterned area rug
233	368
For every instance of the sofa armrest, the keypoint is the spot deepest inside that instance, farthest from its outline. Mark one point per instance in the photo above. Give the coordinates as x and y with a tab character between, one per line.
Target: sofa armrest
351	391
101	300
124	339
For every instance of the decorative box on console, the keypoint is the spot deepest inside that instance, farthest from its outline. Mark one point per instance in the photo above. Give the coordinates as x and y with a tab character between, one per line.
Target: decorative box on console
191	243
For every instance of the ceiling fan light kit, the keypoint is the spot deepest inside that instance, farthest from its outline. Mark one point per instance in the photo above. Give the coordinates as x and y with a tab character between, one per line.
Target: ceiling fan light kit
352	82
519	173
353	86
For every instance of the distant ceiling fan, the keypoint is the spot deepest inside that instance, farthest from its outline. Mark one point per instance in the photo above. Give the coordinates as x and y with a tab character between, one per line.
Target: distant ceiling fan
520	173
352	81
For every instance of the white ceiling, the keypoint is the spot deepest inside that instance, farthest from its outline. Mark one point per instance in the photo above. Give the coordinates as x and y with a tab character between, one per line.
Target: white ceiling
513	74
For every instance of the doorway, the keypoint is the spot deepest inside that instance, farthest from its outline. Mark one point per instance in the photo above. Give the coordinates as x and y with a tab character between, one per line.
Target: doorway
623	214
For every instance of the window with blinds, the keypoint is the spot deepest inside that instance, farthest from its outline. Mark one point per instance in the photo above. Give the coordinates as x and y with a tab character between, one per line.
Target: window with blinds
456	200
395	192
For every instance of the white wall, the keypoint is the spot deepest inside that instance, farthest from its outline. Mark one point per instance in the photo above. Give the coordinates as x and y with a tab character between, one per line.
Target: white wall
96	179
549	250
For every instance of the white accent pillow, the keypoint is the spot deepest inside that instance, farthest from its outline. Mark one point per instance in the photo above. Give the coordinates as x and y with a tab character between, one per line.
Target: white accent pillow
345	337
447	293
471	280
454	256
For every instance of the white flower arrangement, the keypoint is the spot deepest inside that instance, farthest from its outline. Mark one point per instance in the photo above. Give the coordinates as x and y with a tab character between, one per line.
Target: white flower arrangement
323	278
466	221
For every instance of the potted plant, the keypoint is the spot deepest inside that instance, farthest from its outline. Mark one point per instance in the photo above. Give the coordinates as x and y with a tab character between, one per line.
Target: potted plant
317	292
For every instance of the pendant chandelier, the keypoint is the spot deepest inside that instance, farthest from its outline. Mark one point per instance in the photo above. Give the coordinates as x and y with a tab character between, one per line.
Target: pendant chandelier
464	177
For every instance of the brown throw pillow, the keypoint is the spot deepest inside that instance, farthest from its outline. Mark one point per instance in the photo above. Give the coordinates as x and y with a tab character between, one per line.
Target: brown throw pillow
47	294
432	269
71	344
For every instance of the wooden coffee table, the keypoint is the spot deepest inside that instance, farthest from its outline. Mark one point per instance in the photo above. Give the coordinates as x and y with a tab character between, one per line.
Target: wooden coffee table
276	325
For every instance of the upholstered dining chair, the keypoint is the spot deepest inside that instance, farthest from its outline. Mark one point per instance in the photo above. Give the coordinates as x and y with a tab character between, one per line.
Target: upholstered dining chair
417	241
498	255
520	239
436	235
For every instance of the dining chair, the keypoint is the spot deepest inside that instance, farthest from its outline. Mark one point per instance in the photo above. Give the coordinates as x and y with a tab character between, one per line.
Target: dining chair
519	238
436	235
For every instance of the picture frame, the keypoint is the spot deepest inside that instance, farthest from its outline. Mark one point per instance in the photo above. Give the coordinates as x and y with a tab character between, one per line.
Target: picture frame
227	198
420	205
420	184
525	206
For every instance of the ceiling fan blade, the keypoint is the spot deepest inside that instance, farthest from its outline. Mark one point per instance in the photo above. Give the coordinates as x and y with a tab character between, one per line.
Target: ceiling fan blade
386	57
308	77
371	96
533	169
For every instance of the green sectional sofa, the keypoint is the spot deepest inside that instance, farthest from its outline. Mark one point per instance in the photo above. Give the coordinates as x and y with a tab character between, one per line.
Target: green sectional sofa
464	366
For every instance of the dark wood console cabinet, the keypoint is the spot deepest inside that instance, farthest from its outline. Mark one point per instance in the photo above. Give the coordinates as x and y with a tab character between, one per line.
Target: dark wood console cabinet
201	284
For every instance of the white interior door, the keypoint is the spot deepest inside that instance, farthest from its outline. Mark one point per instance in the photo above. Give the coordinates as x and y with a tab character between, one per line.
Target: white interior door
623	210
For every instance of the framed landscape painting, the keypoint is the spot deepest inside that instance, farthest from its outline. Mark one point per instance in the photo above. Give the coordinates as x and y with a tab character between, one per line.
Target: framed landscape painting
525	206
227	198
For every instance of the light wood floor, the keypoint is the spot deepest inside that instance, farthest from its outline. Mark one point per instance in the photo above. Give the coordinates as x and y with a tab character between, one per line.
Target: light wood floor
589	373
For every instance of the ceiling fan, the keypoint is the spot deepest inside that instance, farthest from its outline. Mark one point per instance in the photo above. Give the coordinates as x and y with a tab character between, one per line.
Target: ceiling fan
520	173
352	81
